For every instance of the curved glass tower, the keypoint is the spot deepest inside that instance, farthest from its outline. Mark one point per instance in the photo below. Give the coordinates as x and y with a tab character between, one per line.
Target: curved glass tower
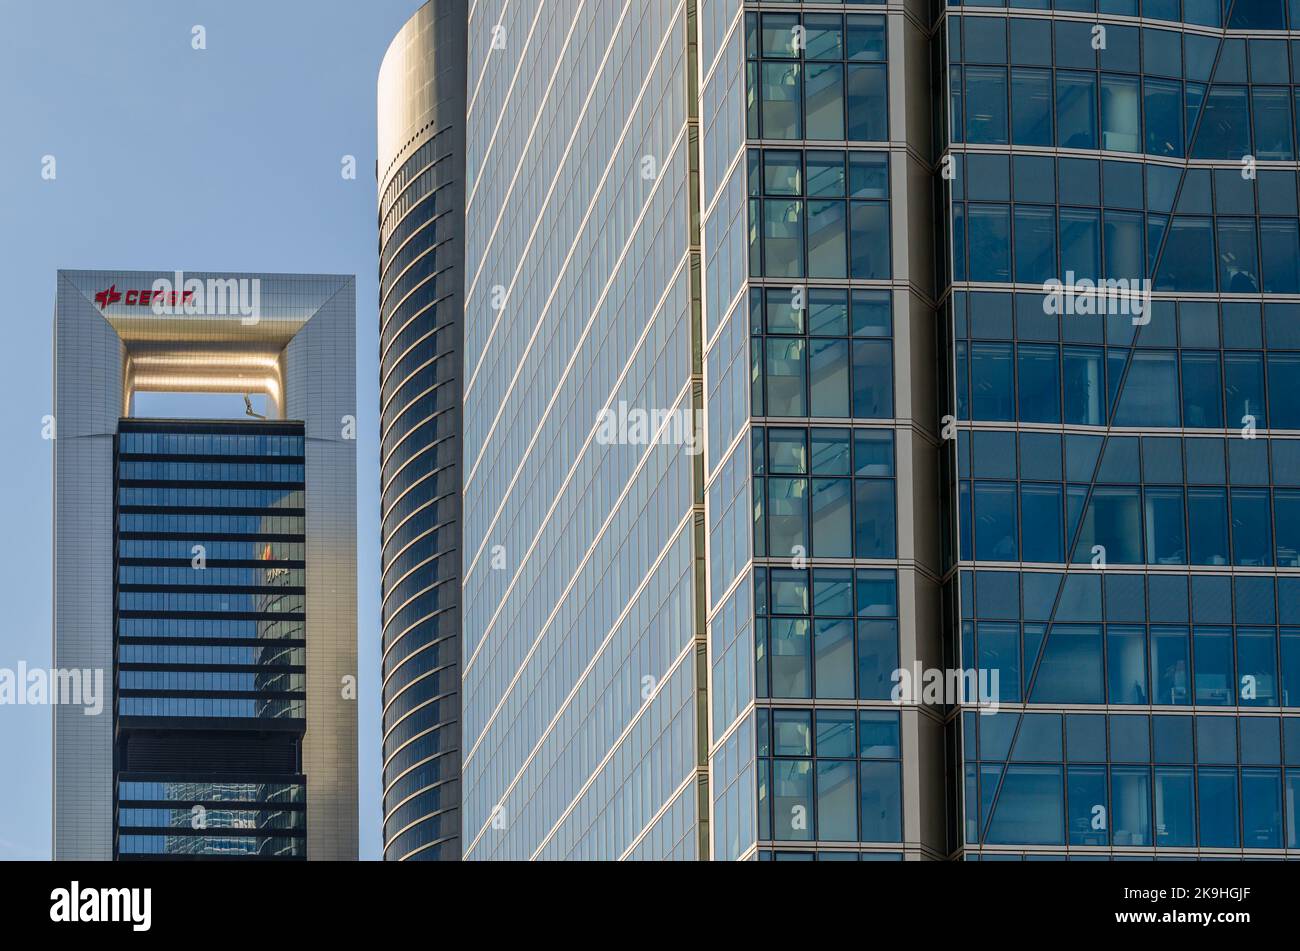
421	187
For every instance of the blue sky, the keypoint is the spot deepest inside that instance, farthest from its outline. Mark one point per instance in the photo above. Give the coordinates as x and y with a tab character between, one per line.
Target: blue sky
173	158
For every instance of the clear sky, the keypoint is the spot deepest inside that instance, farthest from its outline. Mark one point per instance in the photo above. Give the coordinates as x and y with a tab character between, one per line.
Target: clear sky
167	157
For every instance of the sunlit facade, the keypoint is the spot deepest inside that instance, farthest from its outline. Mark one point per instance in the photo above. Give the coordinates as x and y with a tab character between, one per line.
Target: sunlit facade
830	337
688	655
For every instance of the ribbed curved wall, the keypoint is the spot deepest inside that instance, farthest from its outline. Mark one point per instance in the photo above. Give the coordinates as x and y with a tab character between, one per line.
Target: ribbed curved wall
420	169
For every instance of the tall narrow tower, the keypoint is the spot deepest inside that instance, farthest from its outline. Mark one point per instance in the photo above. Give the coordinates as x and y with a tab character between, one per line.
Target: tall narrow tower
206	569
421	171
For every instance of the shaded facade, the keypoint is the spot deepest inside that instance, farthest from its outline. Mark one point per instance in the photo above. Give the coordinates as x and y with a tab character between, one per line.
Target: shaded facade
421	172
1123	488
211	640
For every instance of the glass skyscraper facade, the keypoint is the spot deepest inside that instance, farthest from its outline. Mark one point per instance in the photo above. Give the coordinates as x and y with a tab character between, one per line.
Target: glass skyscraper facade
584	669
684	648
210	638
827	320
1123	495
890	261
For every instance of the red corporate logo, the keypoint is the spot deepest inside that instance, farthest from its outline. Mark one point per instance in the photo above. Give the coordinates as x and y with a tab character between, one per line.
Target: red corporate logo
112	295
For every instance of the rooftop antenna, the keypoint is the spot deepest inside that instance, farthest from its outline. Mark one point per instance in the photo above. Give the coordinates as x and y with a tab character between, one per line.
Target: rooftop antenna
248	408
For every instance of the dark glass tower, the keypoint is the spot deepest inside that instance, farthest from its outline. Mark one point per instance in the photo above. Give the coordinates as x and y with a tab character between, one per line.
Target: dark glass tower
421	221
1124	486
210	640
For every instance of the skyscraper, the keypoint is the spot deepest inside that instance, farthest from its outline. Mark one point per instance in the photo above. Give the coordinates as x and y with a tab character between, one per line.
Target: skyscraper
206	567
843	432
819	354
688	654
1123	482
421	172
